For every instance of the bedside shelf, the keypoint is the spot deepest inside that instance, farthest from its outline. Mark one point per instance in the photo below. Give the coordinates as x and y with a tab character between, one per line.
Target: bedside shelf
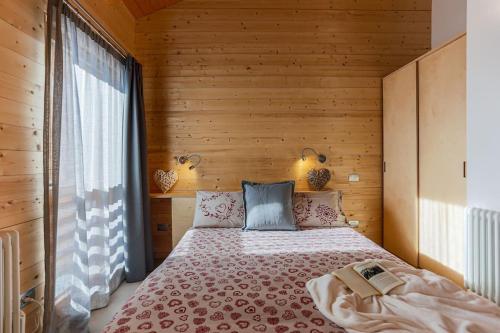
172	195
171	216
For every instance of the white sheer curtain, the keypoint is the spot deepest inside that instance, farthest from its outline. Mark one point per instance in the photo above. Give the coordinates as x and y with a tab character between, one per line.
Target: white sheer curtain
90	257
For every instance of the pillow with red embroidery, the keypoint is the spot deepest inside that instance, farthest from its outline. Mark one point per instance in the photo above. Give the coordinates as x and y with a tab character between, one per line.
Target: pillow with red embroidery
219	210
319	209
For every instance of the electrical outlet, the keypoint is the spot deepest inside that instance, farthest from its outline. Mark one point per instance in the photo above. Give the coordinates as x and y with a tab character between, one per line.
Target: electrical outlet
29	294
354	223
163	227
354	177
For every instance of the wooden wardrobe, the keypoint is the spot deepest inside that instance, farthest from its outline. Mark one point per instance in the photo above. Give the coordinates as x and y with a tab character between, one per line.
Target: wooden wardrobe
424	160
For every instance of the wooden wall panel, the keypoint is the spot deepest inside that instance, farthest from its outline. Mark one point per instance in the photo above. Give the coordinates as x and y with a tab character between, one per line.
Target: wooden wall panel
248	84
401	163
116	18
183	210
21	122
22	62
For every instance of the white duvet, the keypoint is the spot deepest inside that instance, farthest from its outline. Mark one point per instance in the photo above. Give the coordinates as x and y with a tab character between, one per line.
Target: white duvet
425	303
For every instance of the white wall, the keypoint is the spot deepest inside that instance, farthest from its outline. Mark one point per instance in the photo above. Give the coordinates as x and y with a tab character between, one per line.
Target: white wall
483	103
448	20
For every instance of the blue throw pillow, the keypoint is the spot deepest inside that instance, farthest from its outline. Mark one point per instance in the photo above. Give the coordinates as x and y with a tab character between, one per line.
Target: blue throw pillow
269	206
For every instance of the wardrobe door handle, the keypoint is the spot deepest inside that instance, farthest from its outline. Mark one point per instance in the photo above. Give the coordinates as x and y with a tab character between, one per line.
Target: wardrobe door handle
465	169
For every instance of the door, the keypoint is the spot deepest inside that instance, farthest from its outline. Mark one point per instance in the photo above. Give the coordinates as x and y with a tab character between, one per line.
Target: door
442	155
400	164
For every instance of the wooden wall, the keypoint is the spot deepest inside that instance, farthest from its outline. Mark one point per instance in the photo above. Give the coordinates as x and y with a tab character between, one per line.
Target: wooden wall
248	84
21	123
115	17
22	36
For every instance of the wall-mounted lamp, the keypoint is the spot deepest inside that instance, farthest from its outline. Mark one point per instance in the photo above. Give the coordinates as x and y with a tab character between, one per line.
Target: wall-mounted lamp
195	160
321	157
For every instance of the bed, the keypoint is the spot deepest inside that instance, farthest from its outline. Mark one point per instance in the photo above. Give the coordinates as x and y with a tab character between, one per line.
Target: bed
227	280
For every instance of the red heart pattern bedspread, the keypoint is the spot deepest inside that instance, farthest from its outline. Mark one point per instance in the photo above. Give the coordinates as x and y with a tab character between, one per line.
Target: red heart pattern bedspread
227	280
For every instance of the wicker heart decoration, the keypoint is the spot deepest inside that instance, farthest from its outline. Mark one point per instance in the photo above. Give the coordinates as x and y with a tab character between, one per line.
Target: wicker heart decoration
318	178
165	180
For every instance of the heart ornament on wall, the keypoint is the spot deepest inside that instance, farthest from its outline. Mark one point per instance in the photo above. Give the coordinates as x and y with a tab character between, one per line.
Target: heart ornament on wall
318	178
165	180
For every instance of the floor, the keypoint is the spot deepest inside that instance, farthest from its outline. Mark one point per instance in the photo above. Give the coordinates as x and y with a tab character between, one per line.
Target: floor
101	317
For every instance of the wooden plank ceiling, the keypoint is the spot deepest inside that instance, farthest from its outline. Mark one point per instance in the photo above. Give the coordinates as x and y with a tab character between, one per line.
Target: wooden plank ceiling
140	8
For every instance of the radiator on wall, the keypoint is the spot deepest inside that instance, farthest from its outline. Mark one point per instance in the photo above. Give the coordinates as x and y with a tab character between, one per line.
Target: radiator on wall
482	253
11	317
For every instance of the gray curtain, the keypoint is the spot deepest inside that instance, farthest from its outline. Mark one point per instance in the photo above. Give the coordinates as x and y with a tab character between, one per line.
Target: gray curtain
90	243
96	218
138	239
51	149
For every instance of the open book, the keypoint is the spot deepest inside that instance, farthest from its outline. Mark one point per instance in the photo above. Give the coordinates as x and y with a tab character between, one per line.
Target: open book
368	279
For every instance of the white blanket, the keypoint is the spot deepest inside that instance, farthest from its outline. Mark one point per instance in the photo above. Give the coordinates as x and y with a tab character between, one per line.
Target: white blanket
425	303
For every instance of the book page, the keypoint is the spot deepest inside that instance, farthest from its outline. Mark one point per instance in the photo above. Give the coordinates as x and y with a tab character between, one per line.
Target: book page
378	277
355	282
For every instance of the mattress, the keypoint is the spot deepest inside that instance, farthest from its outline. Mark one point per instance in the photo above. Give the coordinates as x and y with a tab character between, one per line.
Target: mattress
227	280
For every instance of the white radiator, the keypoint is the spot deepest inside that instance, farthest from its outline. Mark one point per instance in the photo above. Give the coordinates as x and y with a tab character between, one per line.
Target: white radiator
11	318
482	253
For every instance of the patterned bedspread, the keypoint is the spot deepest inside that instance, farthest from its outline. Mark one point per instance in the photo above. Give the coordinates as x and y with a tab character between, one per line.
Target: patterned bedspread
226	280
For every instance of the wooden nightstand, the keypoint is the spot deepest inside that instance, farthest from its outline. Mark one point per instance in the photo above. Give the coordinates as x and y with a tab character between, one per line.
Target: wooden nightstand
171	216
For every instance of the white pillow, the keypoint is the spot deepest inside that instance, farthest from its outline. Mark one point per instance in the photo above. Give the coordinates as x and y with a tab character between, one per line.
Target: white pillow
219	210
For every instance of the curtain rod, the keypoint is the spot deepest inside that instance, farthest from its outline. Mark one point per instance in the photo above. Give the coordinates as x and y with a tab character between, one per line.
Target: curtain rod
83	14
